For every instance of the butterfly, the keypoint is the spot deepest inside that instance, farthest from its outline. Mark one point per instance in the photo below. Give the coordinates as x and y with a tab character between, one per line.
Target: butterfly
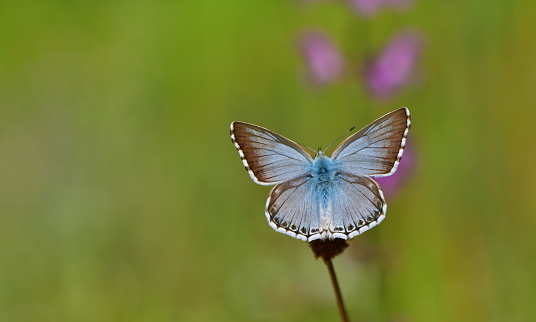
324	197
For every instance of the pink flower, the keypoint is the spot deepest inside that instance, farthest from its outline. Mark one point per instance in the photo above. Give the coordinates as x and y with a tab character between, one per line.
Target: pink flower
324	62
392	184
369	8
394	67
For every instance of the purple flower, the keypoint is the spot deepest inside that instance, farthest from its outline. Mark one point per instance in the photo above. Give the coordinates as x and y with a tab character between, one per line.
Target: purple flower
394	67
393	183
324	62
369	8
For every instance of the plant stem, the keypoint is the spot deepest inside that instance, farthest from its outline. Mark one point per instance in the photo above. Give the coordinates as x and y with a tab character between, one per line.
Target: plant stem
338	296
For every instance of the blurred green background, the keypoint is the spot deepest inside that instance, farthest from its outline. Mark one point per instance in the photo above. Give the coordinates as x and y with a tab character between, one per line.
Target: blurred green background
123	199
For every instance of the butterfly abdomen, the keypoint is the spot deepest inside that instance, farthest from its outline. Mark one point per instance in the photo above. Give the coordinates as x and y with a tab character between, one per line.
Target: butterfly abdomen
323	180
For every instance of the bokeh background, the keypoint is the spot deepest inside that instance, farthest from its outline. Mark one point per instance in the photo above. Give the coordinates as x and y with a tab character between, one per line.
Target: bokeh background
123	199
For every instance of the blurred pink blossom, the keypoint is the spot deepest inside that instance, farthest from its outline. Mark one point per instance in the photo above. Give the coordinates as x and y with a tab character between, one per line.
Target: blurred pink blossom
394	67
324	62
392	184
370	8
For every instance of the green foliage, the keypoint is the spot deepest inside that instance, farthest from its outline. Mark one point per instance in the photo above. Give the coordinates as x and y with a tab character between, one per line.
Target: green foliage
123	199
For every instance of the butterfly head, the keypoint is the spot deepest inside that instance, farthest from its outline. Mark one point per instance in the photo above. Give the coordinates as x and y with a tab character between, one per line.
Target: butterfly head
319	153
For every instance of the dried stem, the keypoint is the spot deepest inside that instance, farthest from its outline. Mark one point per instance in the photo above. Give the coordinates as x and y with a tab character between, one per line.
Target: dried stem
336	289
327	250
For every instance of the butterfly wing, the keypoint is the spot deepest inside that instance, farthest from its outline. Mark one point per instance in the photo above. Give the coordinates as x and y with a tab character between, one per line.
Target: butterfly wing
349	206
377	148
269	157
358	205
292	208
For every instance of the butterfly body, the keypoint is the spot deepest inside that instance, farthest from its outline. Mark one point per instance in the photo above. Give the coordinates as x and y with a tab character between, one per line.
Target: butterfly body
323	182
323	169
324	197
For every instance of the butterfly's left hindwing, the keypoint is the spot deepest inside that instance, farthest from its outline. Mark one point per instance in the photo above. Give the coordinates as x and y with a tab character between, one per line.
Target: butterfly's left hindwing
269	157
292	208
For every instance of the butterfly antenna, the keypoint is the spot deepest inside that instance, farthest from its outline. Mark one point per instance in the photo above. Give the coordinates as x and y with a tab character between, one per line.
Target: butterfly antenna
314	151
340	137
305	146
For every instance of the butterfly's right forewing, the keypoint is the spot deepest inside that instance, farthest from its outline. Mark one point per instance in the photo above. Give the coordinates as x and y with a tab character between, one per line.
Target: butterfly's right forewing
376	149
269	157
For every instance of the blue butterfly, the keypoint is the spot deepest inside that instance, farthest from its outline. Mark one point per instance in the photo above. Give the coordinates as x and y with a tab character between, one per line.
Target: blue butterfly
324	197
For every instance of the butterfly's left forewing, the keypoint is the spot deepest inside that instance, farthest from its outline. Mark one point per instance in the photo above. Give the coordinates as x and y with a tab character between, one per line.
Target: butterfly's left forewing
269	157
377	148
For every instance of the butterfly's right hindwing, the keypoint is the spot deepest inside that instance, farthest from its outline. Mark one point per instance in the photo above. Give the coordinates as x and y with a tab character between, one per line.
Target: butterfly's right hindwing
358	205
269	157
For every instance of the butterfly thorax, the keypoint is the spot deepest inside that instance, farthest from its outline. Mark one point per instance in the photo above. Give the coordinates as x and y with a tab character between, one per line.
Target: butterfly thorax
323	171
